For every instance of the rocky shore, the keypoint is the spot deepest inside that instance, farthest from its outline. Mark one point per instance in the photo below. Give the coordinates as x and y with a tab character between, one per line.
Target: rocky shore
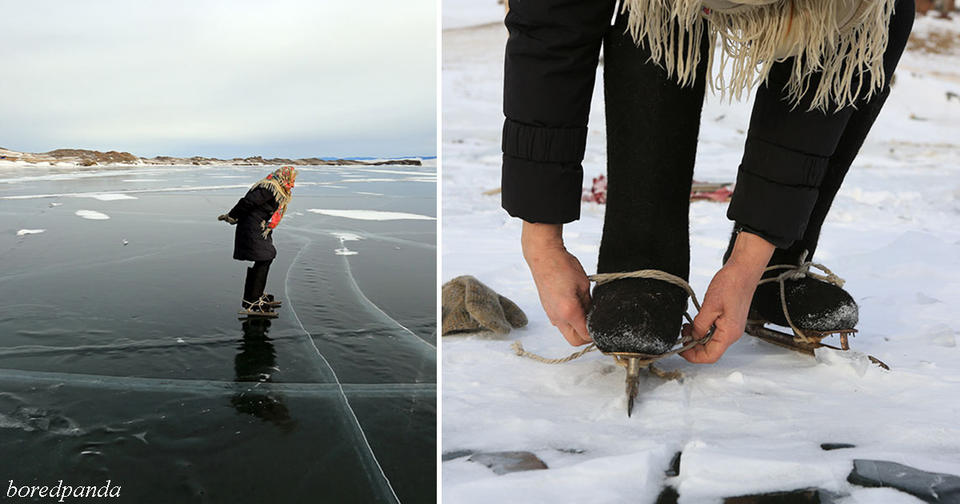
83	157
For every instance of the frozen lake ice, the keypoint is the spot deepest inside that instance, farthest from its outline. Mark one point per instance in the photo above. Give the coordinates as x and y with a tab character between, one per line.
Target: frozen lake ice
122	356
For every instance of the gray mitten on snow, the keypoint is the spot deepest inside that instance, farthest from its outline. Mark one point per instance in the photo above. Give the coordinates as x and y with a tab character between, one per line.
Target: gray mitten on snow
469	306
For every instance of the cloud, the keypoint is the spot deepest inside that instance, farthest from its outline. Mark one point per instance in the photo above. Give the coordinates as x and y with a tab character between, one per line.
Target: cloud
287	78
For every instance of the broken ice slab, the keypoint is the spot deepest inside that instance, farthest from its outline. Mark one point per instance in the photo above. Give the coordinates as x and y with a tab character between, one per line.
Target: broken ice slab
802	496
509	461
928	486
455	454
668	495
835	446
674	469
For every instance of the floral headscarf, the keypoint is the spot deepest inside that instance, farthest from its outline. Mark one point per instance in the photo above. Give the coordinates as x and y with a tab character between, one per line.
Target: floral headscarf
280	183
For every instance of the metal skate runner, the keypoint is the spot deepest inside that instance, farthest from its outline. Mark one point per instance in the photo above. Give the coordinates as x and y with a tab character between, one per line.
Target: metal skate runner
634	362
257	309
802	340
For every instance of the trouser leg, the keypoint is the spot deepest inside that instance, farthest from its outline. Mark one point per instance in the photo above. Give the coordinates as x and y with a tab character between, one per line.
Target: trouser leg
260	271
795	159
857	128
652	127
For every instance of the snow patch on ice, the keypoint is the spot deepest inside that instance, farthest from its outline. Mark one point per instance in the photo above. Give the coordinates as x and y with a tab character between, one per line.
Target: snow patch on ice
370	214
345	236
92	215
344	251
24	232
108	196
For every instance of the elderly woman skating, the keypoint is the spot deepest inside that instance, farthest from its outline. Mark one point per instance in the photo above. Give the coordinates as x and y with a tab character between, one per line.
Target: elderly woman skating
256	215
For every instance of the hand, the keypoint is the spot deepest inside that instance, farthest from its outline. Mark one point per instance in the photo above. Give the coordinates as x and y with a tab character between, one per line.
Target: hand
225	217
727	301
561	282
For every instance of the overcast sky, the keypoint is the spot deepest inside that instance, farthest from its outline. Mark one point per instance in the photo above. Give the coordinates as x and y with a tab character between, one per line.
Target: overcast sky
220	78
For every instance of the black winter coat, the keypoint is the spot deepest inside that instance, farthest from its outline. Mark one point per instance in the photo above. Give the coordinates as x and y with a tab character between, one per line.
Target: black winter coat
253	212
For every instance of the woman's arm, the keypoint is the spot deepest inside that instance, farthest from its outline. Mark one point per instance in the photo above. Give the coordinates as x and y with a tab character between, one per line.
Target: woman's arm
550	69
248	202
727	301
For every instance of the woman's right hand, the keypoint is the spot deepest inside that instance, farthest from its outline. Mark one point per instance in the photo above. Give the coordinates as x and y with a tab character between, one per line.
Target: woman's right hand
561	282
225	217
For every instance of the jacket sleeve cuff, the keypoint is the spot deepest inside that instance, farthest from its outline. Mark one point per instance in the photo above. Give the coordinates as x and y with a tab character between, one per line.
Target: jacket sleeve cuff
776	191
542	178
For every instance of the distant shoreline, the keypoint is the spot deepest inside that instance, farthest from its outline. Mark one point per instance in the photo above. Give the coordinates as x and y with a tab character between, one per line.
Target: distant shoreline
85	158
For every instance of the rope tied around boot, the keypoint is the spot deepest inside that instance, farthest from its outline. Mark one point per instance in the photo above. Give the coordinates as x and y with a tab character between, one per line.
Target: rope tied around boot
796	272
686	343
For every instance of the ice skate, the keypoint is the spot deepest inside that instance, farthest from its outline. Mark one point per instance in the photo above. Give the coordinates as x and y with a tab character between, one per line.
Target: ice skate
636	321
814	306
271	301
256	309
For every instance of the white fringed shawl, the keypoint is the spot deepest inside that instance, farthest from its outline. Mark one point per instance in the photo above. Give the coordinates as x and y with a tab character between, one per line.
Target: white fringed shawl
842	40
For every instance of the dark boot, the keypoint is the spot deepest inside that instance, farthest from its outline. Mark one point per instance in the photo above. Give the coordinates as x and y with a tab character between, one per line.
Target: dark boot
813	304
270	300
252	303
652	127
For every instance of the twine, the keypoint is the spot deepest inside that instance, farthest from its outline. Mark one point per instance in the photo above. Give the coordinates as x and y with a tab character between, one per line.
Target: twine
796	272
686	343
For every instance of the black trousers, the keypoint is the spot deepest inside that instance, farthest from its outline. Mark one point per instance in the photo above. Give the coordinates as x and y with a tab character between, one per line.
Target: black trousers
652	129
256	281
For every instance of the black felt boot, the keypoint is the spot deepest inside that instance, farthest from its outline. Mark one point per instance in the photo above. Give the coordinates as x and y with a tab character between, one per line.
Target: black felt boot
813	304
652	127
252	302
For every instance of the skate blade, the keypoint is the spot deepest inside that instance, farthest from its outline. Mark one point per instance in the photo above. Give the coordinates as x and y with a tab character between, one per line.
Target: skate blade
633	362
244	314
790	342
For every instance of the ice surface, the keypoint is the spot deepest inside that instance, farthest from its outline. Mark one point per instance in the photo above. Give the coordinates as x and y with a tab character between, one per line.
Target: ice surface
370	214
120	354
92	215
753	422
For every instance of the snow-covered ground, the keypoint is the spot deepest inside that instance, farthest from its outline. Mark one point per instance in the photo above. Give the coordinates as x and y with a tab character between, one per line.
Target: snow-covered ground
754	421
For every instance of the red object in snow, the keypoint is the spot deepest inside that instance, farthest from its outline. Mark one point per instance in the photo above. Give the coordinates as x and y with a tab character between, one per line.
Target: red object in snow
598	190
701	191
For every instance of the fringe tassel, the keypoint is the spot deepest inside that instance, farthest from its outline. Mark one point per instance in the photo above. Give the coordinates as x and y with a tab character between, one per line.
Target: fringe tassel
842	41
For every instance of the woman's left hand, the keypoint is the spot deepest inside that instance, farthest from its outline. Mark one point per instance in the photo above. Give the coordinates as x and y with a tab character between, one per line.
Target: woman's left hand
728	298
725	305
225	217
